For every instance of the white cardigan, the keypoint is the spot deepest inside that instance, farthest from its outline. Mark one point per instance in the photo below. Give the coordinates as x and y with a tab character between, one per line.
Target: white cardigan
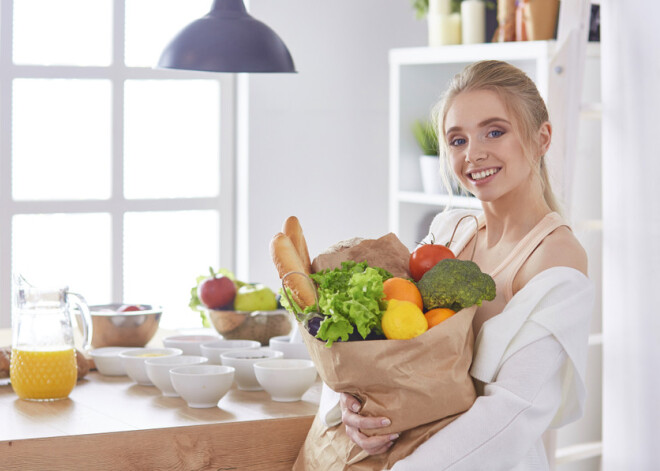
531	359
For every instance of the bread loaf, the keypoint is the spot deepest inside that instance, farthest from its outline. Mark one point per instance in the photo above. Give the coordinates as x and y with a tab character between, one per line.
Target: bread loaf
287	259
294	231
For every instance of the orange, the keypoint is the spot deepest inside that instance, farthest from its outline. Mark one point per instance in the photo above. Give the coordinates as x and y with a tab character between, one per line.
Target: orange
403	320
437	315
403	290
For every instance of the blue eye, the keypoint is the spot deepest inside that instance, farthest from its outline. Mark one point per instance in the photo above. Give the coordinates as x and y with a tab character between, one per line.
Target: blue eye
495	133
457	142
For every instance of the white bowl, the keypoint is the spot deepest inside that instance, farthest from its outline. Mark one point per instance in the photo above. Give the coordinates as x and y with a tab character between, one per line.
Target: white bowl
134	358
243	361
190	344
108	362
285	379
158	370
290	349
202	385
212	350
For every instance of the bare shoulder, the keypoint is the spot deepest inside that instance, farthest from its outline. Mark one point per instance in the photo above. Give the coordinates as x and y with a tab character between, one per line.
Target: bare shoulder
559	249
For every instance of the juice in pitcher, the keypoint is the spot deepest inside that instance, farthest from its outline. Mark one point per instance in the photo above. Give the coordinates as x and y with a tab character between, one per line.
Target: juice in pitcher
43	374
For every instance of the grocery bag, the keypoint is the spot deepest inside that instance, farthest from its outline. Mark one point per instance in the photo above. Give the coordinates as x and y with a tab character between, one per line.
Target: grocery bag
421	384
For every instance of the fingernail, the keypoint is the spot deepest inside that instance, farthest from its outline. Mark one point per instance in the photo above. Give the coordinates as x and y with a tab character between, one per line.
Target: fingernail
394	436
355	408
385	422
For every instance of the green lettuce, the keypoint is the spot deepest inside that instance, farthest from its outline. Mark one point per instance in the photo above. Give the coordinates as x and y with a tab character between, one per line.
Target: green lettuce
350	297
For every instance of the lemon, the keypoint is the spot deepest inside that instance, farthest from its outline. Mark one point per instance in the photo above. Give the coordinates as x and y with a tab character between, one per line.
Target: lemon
403	320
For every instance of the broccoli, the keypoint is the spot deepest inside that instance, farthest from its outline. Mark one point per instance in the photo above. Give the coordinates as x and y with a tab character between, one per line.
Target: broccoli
455	284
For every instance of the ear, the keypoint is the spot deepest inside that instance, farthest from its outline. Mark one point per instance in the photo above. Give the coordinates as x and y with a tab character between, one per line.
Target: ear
545	137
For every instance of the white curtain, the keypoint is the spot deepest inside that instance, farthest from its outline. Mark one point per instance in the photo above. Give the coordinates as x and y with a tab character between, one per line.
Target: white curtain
630	38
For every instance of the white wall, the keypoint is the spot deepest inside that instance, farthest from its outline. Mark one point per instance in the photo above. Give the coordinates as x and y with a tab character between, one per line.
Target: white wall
318	140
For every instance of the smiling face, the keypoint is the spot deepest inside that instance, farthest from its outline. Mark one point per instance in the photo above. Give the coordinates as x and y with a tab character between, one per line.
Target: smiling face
485	152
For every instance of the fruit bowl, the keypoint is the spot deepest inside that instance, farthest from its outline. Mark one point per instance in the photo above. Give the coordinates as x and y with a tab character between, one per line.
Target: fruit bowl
110	327
251	325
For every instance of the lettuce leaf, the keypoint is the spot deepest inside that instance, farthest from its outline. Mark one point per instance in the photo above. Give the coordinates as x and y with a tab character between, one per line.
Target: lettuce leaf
351	297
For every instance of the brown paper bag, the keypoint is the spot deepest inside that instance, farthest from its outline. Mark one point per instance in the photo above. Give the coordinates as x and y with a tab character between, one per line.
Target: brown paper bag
386	252
421	384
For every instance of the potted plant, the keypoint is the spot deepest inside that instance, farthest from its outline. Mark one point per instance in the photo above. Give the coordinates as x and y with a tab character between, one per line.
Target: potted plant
429	163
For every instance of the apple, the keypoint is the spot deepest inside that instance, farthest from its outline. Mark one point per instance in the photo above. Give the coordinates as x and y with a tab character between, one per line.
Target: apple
128	308
216	292
256	297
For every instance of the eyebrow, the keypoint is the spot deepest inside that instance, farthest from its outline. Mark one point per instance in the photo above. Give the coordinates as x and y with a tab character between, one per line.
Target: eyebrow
485	122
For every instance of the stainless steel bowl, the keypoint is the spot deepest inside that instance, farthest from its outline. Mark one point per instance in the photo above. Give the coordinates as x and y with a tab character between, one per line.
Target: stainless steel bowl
123	329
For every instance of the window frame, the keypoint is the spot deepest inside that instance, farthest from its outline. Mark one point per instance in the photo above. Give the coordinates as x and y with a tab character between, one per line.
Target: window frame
117	205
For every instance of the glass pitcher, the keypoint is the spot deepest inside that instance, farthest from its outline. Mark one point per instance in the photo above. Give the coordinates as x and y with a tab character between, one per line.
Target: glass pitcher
43	358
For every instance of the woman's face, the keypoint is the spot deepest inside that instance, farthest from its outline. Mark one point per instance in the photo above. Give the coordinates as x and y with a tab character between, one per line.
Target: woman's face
484	151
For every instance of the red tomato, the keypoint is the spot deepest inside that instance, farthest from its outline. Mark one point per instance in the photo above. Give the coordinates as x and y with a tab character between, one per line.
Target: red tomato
425	257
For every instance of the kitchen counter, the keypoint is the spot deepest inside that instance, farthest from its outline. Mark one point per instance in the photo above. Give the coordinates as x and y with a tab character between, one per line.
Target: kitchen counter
112	423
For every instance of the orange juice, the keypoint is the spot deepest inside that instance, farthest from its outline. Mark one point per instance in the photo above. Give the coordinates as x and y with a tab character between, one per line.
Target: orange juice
42	374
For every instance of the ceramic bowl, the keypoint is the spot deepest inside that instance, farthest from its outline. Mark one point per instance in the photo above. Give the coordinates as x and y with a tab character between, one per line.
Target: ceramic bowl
158	370
213	350
133	360
189	343
108	362
296	350
243	361
202	385
111	328
285	379
251	325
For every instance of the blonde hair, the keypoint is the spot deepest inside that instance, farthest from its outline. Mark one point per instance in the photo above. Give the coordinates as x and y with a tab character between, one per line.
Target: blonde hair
522	100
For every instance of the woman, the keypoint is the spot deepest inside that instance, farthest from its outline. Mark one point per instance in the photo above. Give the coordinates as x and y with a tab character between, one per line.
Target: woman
531	340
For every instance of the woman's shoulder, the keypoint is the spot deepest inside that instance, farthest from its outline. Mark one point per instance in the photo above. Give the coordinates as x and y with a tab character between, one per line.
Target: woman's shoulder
559	249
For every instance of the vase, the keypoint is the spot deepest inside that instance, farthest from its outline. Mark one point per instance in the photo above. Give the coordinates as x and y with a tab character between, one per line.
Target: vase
473	21
540	18
429	166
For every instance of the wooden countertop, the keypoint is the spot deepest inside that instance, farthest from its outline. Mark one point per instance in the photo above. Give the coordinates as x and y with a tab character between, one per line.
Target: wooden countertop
113	423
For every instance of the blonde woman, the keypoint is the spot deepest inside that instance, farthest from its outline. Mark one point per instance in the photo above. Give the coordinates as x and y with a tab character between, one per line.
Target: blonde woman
531	340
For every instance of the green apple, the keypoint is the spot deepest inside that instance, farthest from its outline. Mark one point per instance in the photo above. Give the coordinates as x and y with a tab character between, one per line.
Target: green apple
256	297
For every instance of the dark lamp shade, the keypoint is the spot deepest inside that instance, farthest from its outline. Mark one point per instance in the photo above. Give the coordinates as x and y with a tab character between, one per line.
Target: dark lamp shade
227	39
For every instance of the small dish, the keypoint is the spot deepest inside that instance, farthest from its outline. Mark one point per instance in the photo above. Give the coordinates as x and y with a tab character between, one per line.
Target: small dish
108	362
212	350
290	349
133	360
202	385
243	361
158	370
285	379
190	344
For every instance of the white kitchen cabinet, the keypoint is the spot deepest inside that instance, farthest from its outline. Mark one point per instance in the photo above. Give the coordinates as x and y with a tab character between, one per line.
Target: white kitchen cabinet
418	77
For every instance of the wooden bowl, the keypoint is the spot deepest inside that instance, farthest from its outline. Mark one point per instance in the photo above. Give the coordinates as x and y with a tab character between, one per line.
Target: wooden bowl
123	329
254	325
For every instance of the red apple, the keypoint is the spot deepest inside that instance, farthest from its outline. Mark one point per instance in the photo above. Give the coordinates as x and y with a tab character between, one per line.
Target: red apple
216	292
129	307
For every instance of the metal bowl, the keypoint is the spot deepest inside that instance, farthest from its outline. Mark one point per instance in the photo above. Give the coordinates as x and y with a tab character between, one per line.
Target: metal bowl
252	325
123	329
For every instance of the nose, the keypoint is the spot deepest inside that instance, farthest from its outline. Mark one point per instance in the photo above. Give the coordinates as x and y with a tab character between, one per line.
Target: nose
475	153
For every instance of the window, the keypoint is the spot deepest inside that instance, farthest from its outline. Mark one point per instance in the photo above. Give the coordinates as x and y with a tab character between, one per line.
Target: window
116	179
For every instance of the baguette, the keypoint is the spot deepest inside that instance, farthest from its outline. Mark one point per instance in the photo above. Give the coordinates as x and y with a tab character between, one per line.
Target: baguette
294	231
287	259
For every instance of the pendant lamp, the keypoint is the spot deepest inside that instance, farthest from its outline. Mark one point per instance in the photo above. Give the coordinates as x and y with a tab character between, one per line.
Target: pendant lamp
227	39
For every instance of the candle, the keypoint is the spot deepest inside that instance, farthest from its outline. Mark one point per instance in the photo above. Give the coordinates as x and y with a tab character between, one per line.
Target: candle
473	21
439	7
444	29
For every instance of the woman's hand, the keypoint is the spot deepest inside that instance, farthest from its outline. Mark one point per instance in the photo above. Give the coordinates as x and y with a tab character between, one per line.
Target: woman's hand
355	423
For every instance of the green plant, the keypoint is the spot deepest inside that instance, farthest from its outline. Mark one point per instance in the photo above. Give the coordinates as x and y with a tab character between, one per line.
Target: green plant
426	137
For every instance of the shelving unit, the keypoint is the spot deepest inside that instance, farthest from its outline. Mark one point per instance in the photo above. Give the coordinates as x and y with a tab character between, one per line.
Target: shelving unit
418	76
